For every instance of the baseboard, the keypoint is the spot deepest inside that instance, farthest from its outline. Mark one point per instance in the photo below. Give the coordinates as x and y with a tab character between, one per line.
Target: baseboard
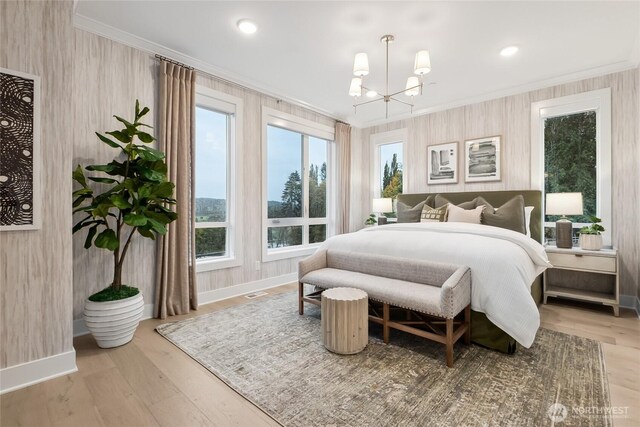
79	328
630	301
208	297
37	371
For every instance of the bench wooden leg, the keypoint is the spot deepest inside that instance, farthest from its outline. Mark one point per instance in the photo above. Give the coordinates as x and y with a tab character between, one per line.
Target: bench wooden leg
467	322
300	295
385	320
449	343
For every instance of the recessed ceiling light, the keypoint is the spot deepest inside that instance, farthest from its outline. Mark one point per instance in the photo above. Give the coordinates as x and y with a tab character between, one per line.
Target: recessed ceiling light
247	26
509	51
372	94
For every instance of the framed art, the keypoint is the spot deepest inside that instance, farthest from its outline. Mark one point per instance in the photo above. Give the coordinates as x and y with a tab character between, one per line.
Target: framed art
442	163
19	151
482	159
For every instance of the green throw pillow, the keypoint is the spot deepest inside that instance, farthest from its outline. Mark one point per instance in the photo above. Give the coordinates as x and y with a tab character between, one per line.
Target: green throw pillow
510	215
407	213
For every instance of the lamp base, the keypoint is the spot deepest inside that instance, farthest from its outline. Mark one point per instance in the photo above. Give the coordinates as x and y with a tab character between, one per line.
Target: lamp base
564	231
382	220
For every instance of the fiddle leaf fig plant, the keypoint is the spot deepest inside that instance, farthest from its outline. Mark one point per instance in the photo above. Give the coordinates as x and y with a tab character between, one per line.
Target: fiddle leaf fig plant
130	195
594	228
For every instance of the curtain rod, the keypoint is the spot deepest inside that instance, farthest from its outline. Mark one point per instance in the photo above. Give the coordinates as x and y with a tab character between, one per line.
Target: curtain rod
238	85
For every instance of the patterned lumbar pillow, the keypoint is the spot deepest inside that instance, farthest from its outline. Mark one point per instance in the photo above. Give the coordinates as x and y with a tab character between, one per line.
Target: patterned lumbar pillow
433	214
457	214
407	213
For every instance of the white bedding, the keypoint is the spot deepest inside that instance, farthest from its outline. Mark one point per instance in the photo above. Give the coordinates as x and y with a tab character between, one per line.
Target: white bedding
503	264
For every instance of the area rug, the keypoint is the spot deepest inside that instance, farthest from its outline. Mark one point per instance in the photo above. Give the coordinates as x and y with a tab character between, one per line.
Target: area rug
274	358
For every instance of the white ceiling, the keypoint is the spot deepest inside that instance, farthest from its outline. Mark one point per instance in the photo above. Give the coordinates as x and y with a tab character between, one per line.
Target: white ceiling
303	51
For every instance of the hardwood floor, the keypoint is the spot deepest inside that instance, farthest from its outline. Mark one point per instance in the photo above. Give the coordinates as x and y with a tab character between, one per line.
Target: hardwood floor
150	382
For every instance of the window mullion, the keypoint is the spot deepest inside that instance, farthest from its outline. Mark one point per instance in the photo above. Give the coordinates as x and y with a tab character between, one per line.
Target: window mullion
305	189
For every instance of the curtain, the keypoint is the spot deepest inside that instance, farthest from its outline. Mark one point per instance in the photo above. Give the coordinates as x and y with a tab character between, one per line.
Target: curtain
176	291
343	145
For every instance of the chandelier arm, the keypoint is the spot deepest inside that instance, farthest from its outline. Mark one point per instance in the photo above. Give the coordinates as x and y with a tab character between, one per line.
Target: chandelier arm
404	90
368	102
402	102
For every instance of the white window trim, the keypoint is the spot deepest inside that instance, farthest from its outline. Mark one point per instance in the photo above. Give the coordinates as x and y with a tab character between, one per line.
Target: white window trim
384	138
599	101
232	105
277	118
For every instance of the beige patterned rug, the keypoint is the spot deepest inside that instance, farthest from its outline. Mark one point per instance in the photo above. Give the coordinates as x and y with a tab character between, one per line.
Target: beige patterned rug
274	358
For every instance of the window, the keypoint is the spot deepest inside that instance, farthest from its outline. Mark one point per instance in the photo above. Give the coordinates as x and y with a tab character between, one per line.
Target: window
218	118
388	161
297	166
572	153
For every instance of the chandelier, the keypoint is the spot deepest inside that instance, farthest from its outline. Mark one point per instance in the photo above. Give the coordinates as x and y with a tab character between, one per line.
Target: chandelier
422	66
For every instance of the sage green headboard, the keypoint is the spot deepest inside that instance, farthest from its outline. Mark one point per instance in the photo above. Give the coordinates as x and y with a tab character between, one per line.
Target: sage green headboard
496	198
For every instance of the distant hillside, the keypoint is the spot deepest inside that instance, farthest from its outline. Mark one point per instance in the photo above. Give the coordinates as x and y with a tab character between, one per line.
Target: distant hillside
210	210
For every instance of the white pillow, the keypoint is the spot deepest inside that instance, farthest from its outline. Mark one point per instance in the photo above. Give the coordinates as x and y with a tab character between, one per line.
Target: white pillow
457	214
527	218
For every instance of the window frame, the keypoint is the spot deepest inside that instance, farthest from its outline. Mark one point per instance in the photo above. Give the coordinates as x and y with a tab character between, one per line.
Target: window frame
376	141
232	106
308	128
600	102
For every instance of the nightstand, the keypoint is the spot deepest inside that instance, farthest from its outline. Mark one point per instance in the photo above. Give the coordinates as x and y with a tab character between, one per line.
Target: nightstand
583	275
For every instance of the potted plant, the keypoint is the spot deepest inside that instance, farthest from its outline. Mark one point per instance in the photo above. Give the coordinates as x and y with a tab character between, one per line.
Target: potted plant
591	235
131	198
371	220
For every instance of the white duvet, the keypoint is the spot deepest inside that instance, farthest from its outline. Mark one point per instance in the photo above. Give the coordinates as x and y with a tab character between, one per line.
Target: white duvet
503	264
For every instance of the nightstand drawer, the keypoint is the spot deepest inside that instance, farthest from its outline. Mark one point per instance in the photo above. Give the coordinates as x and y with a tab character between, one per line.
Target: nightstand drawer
584	262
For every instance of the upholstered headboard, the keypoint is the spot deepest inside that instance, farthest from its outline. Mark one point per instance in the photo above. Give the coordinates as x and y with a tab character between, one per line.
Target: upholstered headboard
496	198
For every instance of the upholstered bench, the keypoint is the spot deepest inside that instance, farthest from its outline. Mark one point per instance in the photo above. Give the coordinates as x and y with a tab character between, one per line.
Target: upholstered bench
433	293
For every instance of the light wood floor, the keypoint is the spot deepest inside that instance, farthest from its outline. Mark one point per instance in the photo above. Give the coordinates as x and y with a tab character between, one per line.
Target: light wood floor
151	382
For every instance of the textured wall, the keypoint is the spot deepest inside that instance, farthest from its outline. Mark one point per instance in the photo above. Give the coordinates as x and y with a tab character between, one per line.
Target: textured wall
36	287
108	78
511	117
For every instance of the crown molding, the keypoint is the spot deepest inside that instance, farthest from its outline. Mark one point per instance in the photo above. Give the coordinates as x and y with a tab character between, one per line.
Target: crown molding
514	90
101	29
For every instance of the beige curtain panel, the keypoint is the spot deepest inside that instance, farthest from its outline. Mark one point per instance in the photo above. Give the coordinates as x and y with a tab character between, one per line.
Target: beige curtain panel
343	145
176	291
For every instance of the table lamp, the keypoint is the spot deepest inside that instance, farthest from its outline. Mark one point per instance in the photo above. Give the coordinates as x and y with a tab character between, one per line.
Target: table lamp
380	206
564	204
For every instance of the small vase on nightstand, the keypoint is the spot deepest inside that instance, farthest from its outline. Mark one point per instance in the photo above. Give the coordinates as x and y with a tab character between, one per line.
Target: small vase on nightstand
591	242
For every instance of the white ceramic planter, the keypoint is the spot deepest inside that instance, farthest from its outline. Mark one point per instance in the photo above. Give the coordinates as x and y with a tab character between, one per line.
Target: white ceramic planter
591	242
113	323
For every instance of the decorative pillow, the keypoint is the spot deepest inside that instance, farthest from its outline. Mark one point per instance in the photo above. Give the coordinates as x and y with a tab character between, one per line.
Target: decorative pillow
431	201
430	214
458	214
443	201
510	215
407	213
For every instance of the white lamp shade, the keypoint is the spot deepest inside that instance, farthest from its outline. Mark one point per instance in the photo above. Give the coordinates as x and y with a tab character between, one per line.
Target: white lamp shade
361	65
422	64
356	87
382	205
564	204
413	86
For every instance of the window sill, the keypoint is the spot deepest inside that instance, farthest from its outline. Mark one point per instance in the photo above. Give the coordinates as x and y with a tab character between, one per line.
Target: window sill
211	264
285	253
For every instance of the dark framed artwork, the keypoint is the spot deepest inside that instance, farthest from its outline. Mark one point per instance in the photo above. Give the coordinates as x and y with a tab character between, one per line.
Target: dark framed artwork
442	163
19	151
482	159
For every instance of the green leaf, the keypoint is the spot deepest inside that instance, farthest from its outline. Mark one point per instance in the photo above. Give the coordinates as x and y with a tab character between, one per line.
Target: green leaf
101	210
78	176
102	180
119	201
92	232
157	226
80	224
101	168
108	141
146	233
149	154
152	175
145	137
82	192
137	109
135	220
107	240
144	111
163	190
120	136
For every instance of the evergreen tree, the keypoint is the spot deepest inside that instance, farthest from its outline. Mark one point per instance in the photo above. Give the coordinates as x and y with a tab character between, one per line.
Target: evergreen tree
292	197
386	176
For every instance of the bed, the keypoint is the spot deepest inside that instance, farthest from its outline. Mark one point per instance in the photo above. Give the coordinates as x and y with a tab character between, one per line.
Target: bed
505	293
